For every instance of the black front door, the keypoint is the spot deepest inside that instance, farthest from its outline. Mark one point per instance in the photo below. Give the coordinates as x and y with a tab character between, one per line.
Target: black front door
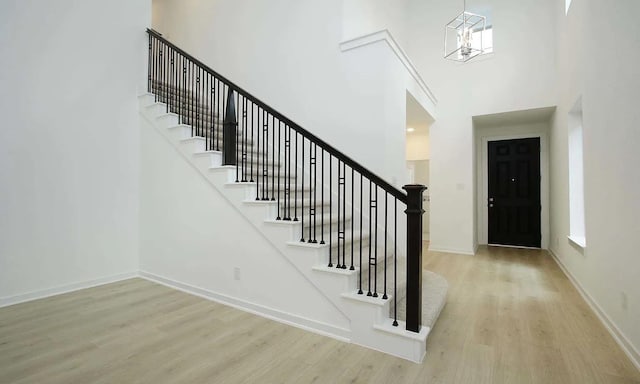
514	192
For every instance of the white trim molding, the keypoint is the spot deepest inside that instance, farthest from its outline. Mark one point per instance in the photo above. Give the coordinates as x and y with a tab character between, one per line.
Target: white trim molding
385	35
468	252
629	349
67	288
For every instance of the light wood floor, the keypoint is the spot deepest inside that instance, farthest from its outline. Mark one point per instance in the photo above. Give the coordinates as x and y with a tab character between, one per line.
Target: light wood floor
511	317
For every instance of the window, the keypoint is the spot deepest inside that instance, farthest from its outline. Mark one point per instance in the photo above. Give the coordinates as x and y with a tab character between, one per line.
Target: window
483	39
576	176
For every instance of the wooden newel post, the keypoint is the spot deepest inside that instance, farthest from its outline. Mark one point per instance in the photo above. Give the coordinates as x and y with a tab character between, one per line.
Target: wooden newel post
414	256
229	134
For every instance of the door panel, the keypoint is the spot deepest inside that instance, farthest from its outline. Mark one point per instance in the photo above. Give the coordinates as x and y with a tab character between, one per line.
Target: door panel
514	192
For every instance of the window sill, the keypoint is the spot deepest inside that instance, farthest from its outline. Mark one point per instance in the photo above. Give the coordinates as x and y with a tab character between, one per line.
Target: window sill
580	241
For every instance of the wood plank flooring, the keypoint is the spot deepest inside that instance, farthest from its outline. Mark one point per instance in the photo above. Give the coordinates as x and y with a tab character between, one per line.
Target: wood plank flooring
511	317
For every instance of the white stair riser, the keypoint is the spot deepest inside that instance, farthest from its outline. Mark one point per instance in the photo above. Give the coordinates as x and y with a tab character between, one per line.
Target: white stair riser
157	109
146	99
179	132
167	120
192	145
208	160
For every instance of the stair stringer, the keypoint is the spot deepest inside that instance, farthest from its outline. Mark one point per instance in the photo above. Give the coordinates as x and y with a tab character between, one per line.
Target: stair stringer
367	317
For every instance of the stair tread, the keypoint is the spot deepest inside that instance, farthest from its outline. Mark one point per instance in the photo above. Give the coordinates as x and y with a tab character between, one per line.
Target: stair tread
434	297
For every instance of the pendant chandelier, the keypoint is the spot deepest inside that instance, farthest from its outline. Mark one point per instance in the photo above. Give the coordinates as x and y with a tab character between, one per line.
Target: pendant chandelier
463	36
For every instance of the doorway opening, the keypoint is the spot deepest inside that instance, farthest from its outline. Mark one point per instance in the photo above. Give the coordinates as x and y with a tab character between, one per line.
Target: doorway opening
418	154
512	178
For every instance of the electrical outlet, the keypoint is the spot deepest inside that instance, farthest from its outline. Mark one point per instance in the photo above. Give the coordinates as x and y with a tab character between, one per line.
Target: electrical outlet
624	301
236	273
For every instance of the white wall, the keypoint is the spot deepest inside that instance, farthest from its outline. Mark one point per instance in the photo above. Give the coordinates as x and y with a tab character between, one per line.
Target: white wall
521	74
608	82
190	234
69	142
417	145
361	17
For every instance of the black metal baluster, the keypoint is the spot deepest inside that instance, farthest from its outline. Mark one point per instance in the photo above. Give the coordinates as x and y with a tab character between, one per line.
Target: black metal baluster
221	107
370	232
212	113
315	193
238	148
341	214
169	94
155	70
330	211
206	115
395	263
273	158
295	181
322	197
194	129
159	74
386	195
258	156
163	63
204	100
360	263
252	147
203	107
279	207
353	219
149	77
174	90
375	248
244	139
344	216
287	178
183	111
302	194
339	211
152	67
265	155
167	77
313	161
217	93
197	103
194	121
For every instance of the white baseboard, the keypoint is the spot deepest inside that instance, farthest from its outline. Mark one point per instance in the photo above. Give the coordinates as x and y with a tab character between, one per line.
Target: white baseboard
624	343
256	309
23	298
451	250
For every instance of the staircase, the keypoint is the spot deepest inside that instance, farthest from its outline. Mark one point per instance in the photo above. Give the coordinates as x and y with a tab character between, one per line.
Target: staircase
341	225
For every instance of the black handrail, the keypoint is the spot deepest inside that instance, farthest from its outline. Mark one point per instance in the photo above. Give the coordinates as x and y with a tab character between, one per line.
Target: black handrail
327	147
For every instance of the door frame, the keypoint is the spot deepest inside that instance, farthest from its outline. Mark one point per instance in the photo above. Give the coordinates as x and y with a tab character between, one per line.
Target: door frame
483	183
